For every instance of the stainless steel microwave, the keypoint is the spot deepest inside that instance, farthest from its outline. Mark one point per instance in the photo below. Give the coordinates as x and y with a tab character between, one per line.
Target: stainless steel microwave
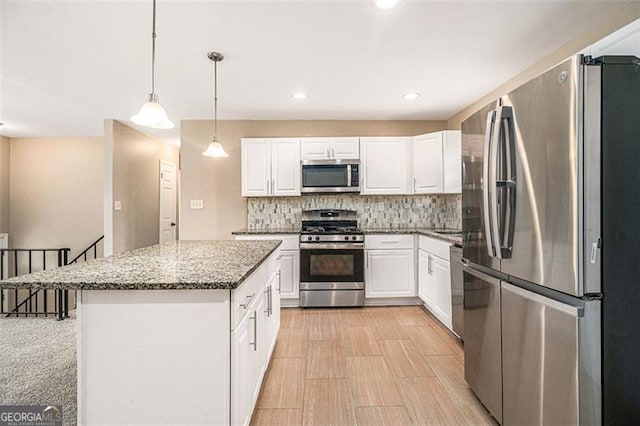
330	176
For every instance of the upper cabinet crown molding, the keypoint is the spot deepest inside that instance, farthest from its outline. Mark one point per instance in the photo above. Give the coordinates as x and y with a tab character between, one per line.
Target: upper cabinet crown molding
437	163
330	148
270	167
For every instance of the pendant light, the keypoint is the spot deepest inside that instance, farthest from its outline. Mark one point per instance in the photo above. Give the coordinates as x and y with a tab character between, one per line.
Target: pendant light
215	148
152	114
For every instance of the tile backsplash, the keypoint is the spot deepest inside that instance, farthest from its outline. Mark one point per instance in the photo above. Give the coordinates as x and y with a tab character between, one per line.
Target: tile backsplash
374	211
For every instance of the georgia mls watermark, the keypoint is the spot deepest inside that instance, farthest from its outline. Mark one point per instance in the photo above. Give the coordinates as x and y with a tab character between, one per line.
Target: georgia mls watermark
30	415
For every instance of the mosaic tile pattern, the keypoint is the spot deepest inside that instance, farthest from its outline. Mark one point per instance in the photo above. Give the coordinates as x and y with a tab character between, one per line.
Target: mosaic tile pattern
374	211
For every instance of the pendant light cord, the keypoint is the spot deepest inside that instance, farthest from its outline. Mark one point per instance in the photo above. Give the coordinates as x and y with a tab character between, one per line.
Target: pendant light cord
215	100
153	51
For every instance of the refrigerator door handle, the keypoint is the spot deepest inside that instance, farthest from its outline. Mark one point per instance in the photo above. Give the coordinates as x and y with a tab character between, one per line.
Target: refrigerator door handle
507	183
486	187
492	182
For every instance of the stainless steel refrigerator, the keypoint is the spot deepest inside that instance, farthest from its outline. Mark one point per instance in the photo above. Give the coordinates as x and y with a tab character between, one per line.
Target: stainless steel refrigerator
551	247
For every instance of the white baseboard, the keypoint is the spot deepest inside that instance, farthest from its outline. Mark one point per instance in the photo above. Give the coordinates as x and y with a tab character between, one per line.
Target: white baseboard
289	303
394	301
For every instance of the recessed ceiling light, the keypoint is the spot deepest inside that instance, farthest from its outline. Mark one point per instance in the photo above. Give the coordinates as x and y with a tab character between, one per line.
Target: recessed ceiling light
299	95
411	96
386	4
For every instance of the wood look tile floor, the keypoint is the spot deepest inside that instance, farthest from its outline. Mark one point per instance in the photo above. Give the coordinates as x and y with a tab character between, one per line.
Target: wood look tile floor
372	366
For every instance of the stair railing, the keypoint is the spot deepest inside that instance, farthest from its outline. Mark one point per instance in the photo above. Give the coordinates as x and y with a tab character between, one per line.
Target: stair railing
37	302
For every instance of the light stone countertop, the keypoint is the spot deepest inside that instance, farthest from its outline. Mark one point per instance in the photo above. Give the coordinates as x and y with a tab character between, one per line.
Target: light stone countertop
222	264
428	232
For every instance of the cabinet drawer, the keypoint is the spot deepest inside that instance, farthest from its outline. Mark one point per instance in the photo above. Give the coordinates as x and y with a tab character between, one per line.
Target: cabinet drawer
243	296
388	241
434	246
289	242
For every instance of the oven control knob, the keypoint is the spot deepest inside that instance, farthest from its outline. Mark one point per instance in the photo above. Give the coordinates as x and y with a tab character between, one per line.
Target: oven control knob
317	238
346	238
354	238
309	238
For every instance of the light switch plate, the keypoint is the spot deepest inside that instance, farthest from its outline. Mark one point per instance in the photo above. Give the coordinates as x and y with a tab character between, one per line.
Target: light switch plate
197	204
117	205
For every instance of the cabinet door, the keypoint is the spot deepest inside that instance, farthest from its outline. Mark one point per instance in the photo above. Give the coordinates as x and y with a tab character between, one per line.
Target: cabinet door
427	163
385	165
243	358
345	148
256	167
285	167
261	339
389	273
442	290
289	274
452	162
425	279
315	148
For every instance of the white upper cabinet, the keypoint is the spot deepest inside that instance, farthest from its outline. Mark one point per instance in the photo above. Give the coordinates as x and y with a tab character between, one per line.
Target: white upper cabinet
437	165
385	165
330	148
270	167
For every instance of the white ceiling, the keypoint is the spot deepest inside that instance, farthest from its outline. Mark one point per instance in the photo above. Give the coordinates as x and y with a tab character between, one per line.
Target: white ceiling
68	65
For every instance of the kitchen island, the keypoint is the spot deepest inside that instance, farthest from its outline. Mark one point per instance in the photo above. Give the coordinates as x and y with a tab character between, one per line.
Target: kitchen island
179	333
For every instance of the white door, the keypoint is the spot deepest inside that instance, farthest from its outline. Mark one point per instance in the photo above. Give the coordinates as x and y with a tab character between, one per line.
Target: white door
290	272
427	163
385	165
389	273
425	280
167	202
442	290
241	371
285	167
345	148
256	167
452	162
315	148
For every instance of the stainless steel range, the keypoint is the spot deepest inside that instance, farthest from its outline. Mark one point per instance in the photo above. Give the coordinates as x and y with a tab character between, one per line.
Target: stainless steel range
331	259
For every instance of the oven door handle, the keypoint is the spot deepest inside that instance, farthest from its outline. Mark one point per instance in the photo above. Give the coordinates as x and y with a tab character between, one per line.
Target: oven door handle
331	246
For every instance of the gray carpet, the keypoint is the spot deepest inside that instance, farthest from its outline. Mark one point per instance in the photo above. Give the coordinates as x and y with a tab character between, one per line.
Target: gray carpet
38	363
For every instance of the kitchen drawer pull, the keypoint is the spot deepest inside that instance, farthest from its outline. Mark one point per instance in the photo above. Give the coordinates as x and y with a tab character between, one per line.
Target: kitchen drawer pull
390	242
254	318
247	301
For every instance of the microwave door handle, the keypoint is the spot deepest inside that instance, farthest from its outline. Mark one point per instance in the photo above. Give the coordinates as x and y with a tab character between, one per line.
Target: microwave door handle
349	175
491	116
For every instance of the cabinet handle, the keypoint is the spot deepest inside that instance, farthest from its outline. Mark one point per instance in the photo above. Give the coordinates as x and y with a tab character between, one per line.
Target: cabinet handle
429	269
270	300
279	272
273	185
414	184
333	153
328	153
268	187
390	242
267	291
247	302
255	331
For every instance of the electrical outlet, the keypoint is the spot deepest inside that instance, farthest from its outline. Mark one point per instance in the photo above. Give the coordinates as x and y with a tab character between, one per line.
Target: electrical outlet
381	206
197	204
117	205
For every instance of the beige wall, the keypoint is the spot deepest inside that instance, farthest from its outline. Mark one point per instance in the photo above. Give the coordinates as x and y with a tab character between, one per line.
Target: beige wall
603	26
4	184
56	192
132	176
217	181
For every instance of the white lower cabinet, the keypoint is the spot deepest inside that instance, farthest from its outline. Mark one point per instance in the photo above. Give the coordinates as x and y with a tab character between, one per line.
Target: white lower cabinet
252	343
434	278
289	283
389	266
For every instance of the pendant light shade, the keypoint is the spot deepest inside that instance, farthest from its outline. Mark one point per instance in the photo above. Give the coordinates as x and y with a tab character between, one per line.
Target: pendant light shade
152	114
215	148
